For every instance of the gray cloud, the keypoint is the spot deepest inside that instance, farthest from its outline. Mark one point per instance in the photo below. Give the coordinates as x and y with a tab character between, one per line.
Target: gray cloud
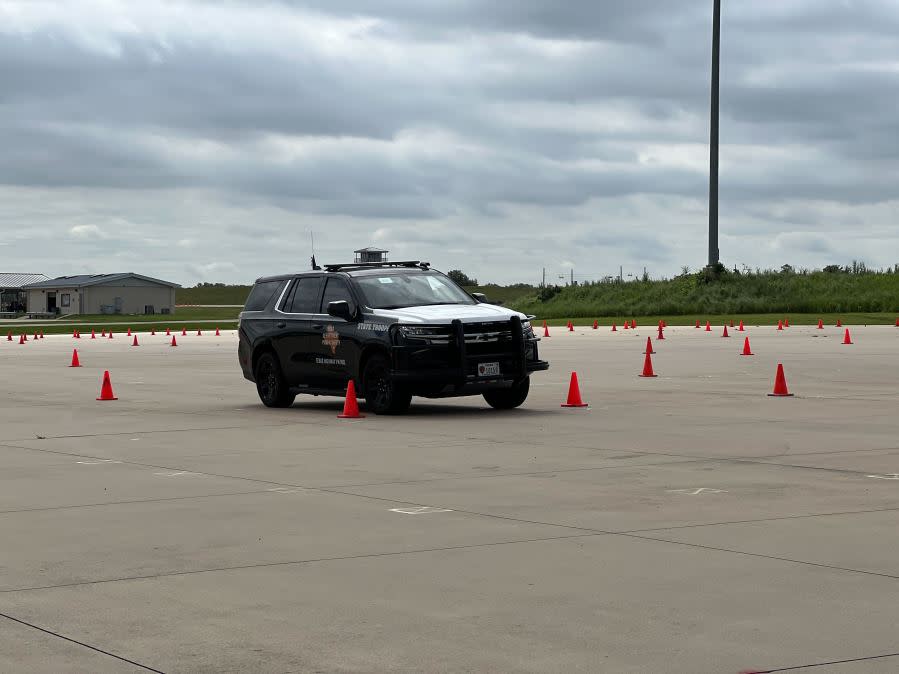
496	137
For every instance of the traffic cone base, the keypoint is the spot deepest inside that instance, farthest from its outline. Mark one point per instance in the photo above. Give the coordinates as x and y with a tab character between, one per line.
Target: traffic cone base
574	393
647	367
780	384
75	361
351	404
106	389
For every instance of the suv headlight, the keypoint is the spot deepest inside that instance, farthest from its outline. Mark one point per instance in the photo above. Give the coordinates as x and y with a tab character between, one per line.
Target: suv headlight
420	334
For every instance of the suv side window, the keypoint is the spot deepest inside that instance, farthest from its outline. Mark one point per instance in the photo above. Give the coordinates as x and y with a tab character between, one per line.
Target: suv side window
335	291
261	294
303	297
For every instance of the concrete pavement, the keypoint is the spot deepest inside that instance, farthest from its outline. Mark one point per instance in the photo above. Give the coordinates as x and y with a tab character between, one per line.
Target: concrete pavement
687	523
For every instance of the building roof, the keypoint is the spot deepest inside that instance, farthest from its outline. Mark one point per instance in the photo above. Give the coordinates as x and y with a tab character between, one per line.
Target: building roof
83	280
14	280
371	249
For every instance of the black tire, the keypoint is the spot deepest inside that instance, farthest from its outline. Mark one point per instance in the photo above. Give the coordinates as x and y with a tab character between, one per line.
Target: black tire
509	398
381	392
270	383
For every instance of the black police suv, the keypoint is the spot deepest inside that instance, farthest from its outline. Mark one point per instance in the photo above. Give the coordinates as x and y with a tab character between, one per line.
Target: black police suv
397	329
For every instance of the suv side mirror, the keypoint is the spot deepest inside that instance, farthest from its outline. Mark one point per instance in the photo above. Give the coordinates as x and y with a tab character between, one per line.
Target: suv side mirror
340	309
480	297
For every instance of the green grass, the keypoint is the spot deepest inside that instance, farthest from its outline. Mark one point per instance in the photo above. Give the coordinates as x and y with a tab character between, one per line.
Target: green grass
718	320
735	295
213	294
190	318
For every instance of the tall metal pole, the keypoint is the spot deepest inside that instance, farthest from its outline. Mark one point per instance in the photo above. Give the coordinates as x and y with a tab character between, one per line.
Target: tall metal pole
713	139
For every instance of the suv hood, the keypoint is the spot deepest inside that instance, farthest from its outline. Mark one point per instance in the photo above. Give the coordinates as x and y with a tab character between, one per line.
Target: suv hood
447	313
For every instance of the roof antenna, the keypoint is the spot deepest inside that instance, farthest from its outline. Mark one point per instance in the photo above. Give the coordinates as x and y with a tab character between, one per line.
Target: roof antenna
315	267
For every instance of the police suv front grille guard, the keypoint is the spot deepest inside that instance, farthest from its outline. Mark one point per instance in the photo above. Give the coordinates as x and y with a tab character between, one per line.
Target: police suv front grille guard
518	348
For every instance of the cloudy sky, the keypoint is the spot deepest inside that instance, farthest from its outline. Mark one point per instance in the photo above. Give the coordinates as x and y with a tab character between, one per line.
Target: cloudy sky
203	140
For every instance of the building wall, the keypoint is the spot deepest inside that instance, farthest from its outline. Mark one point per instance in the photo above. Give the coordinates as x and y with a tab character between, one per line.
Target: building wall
135	294
37	300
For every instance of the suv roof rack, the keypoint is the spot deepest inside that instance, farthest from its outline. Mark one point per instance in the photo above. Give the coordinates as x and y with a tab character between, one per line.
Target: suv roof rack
377	265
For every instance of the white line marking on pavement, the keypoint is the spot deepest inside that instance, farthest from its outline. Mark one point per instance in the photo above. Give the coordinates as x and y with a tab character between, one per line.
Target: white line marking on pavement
695	492
176	473
423	510
95	463
888	476
285	490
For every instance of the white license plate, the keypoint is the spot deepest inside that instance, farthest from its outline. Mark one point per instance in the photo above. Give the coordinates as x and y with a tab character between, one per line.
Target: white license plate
488	369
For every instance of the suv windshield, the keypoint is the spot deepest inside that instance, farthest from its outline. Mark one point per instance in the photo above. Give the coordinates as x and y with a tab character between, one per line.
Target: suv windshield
398	291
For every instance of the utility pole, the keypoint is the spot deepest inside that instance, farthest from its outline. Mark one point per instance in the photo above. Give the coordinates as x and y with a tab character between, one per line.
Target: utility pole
572	276
713	137
543	285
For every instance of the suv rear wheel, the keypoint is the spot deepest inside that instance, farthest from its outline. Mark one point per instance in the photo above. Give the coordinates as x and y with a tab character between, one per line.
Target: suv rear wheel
383	395
509	398
270	384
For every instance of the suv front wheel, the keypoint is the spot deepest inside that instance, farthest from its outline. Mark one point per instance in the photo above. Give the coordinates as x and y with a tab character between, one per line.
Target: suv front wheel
509	398
270	384
383	395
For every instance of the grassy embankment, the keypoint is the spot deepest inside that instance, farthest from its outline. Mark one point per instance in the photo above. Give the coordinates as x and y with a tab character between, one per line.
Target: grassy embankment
870	298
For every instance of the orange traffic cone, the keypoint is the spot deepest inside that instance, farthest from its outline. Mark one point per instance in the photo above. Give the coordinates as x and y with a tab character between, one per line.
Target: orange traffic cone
649	346
545	329
168	332
595	324
129	332
35	336
780	324
41	334
661	333
746	350
839	323
74	334
786	322
93	335
174	343
633	323
647	367
697	322
217	333
22	339
106	389
725	334
897	322
820	324
184	332
741	328
574	393
110	334
614	329
731	322
350	405
9	336
103	333
134	343
627	325
75	361
780	384
199	333
152	332
708	326
846	338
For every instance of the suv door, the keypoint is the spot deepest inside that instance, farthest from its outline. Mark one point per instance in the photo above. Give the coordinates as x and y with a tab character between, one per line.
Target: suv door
293	335
336	347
